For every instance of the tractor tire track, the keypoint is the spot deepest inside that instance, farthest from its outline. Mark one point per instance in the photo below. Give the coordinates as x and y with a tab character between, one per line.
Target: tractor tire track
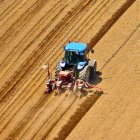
21	127
59	112
77	116
41	101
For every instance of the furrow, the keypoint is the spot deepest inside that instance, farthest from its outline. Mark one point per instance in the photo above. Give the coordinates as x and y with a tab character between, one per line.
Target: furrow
15	17
52	120
10	10
4	5
18	25
37	111
37	30
39	52
35	65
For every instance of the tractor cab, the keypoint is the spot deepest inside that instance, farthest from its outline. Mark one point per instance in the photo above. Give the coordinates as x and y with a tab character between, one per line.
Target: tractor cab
75	59
75	56
75	52
74	66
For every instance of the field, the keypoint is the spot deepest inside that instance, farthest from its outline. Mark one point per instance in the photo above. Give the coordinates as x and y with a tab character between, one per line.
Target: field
34	32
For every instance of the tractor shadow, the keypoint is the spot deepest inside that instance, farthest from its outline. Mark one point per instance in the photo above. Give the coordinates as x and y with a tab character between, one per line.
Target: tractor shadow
96	79
87	92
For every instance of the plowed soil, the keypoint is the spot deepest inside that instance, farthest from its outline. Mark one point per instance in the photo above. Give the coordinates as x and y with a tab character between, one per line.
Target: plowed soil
32	33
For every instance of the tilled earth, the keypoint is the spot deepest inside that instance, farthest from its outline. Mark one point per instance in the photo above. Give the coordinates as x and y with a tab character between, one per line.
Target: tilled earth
32	33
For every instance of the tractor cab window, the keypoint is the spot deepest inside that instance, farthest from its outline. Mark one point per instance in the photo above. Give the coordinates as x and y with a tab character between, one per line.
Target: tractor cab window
74	56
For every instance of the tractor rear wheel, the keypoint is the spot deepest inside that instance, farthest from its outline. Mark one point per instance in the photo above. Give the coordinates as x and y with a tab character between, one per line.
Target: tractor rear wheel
91	71
82	74
87	74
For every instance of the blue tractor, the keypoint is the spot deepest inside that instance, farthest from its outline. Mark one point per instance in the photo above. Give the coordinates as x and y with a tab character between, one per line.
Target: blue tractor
76	60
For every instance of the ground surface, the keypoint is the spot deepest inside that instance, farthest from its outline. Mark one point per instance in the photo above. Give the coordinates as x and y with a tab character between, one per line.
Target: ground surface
33	33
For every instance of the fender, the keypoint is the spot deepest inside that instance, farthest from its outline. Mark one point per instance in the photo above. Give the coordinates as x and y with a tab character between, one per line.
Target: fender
92	63
81	65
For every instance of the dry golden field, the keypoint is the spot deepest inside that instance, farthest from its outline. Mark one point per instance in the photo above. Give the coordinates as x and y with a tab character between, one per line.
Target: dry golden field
34	32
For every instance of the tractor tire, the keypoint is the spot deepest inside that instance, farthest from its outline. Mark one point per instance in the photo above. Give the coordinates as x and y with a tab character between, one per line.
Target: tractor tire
91	71
82	74
93	65
87	74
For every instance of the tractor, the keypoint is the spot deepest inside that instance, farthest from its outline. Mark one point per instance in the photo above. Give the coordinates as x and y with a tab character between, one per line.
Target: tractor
75	69
76	60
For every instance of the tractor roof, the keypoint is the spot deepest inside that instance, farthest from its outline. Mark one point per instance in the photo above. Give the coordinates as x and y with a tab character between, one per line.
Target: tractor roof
75	46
